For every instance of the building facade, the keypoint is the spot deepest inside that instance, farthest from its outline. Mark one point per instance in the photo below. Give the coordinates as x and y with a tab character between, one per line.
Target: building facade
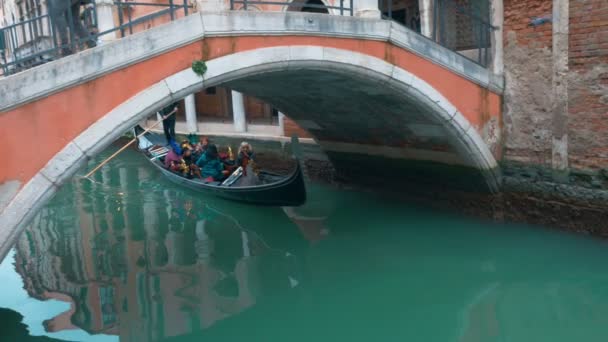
556	97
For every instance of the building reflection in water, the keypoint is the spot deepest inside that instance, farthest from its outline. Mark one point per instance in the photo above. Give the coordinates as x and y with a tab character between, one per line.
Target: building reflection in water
140	259
145	264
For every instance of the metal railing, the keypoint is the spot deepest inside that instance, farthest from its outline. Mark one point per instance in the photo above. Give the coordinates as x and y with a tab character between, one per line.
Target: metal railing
456	24
38	40
459	25
341	9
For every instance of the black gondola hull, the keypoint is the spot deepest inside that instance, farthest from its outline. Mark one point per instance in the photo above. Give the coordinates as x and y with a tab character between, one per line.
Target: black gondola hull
288	192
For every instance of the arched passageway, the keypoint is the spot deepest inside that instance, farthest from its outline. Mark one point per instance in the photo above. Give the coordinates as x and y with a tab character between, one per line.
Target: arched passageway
365	100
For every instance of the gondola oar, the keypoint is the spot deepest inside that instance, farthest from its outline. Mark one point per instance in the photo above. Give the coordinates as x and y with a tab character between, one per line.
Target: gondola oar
127	145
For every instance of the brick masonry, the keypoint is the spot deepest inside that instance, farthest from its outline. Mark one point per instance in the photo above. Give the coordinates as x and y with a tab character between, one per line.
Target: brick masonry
528	70
528	73
588	84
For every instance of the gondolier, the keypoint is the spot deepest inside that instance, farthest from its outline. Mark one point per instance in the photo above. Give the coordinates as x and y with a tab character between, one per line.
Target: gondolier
168	114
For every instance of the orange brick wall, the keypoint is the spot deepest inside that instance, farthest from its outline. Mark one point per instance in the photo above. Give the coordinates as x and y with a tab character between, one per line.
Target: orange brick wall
517	16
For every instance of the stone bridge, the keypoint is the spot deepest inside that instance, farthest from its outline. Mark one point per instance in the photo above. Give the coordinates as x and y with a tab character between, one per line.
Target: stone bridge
370	91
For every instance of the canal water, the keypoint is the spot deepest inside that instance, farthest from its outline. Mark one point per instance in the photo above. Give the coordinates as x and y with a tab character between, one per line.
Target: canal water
132	257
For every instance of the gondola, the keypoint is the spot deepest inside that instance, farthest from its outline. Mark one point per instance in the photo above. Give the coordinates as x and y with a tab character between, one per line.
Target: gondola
272	190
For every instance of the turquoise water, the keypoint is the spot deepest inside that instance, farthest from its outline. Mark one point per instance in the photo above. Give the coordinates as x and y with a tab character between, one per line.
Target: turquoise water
131	257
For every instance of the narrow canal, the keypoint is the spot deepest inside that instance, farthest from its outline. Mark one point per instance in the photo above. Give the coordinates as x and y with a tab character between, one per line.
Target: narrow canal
132	257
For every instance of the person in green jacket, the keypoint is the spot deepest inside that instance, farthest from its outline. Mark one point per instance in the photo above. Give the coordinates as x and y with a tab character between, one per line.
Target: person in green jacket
211	165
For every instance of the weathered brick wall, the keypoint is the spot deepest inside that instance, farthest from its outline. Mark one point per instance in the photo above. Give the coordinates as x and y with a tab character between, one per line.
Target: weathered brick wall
528	73
291	128
588	85
528	70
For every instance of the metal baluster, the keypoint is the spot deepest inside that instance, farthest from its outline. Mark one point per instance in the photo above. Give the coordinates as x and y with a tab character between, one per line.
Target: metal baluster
480	41
171	10
120	19
390	9
3	52
185	7
96	25
488	40
435	9
129	18
232	5
245	5
352	9
71	24
52	31
341	7
31	29
14	44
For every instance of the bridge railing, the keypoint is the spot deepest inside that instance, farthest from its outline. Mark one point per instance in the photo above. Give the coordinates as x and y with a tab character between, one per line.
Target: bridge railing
344	7
465	29
38	40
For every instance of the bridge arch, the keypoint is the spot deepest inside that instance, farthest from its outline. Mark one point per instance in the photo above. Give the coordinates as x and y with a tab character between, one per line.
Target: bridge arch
243	70
245	76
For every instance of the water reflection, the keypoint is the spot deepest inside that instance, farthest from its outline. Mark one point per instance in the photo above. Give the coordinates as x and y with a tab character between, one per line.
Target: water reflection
138	258
152	264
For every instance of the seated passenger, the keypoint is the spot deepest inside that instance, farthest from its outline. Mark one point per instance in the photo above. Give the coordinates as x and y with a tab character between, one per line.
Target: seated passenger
245	156
174	155
192	169
200	148
210	164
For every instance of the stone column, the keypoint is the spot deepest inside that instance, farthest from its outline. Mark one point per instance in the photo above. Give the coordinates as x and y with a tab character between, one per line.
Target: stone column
426	17
366	8
105	19
559	147
497	42
282	123
238	112
191	121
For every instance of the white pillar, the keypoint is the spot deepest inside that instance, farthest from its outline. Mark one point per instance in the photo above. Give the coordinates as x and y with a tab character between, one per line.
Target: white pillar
105	19
282	123
426	17
366	8
497	42
191	121
560	52
238	112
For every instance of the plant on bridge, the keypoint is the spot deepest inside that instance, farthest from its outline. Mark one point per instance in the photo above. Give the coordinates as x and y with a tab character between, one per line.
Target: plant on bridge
199	67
